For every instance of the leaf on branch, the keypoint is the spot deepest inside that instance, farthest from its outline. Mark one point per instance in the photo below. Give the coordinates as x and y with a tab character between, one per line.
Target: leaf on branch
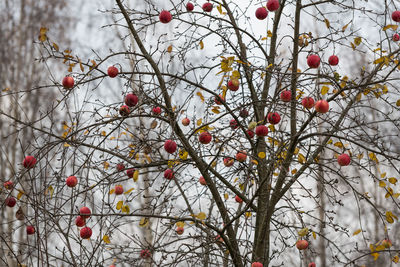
130	190
392	180
56	47
111	191
261	155
379	60
201	45
153	124
375	255
324	90
390	26
42	34
327	23
119	204
106	165
125	209
106	239
144	222
199	122
215	109
314	235
398	103
201	216
247	214
20	194
303	232
180	224
301	158
395	259
183	154
382	184
373	157
390	217
357	41
50	191
357	232
169	49
199	94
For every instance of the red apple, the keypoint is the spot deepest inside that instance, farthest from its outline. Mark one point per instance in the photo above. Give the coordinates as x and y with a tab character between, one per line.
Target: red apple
396	16
189	6
302	244
185	122
261	130
30	230
180	230
130	172
156	110
333	60
313	61
396	37
307	102
112	71
205	138
79	221
312	264
207	7
86	232
386	243
343	160
10	202
169	174
241	156
261	13
250	133
219	100
286	96
256	264
165	16
228	161
119	190
71	181
238	199
145	254
131	100
219	239
273	118
120	167
9	185
272	5
233	124
68	82
85	212
244	113
322	106
170	146
29	162
202	181
124	110
233	85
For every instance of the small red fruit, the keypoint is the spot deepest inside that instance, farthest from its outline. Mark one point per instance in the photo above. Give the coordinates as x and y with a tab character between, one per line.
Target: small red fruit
333	60
272	5
313	61
307	102
189	6
256	264
145	254
156	110
273	118
119	189
10	202
86	232
131	100
312	264
29	162
68	82
180	230
322	106
244	113
112	71
233	124
343	160
396	37
302	244
9	185
79	221
165	16
219	100
71	181
130	172
120	167
170	146
185	122
396	16
233	85
250	133
286	96
261	130
386	243
241	156
85	212
205	138
261	13
228	162
30	230
238	199
202	181
124	110
169	174
207	7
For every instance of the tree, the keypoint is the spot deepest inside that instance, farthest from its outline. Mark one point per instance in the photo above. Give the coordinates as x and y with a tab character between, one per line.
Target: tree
268	113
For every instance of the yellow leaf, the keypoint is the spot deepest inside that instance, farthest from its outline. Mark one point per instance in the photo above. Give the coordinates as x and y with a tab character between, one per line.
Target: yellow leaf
201	216
345	26
169	49
261	155
254	161
379	60
235	75
382	184
180	224
125	209
398	103
183	154
373	157
314	235
375	255
226	196
383	175
338	144
66	145
111	191
327	23
219	8
303	232
199	122
119	204
296	151
357	41
20	194
324	90
395	259
50	191
201	44
201	96
248	214
390	26
392	180
294	171
269	33
353	46
389	217
144	222
106	165
215	110
128	191
106	239
357	232
301	158
55	47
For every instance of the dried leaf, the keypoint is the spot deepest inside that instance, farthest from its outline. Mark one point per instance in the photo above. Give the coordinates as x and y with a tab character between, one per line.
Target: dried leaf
106	239
357	232
390	26
144	222
327	23
119	204
324	90
169	49
201	44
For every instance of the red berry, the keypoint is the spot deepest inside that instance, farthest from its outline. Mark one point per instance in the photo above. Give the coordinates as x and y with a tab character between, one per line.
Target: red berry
273	118
219	100
286	96
71	181
244	113
124	110
322	106
343	160
228	161
169	174
185	122
9	185
189	6
396	16
131	100
302	244
156	110
180	230
145	254
120	167
238	199
29	162
165	16
272	5
312	264
261	13
30	230
86	232
10	202
119	189
261	130
207	7
85	212
233	124
396	37
68	82
313	61
170	146
250	133
333	60
307	102
256	264
202	181
79	221
205	138
130	172
233	85
112	71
